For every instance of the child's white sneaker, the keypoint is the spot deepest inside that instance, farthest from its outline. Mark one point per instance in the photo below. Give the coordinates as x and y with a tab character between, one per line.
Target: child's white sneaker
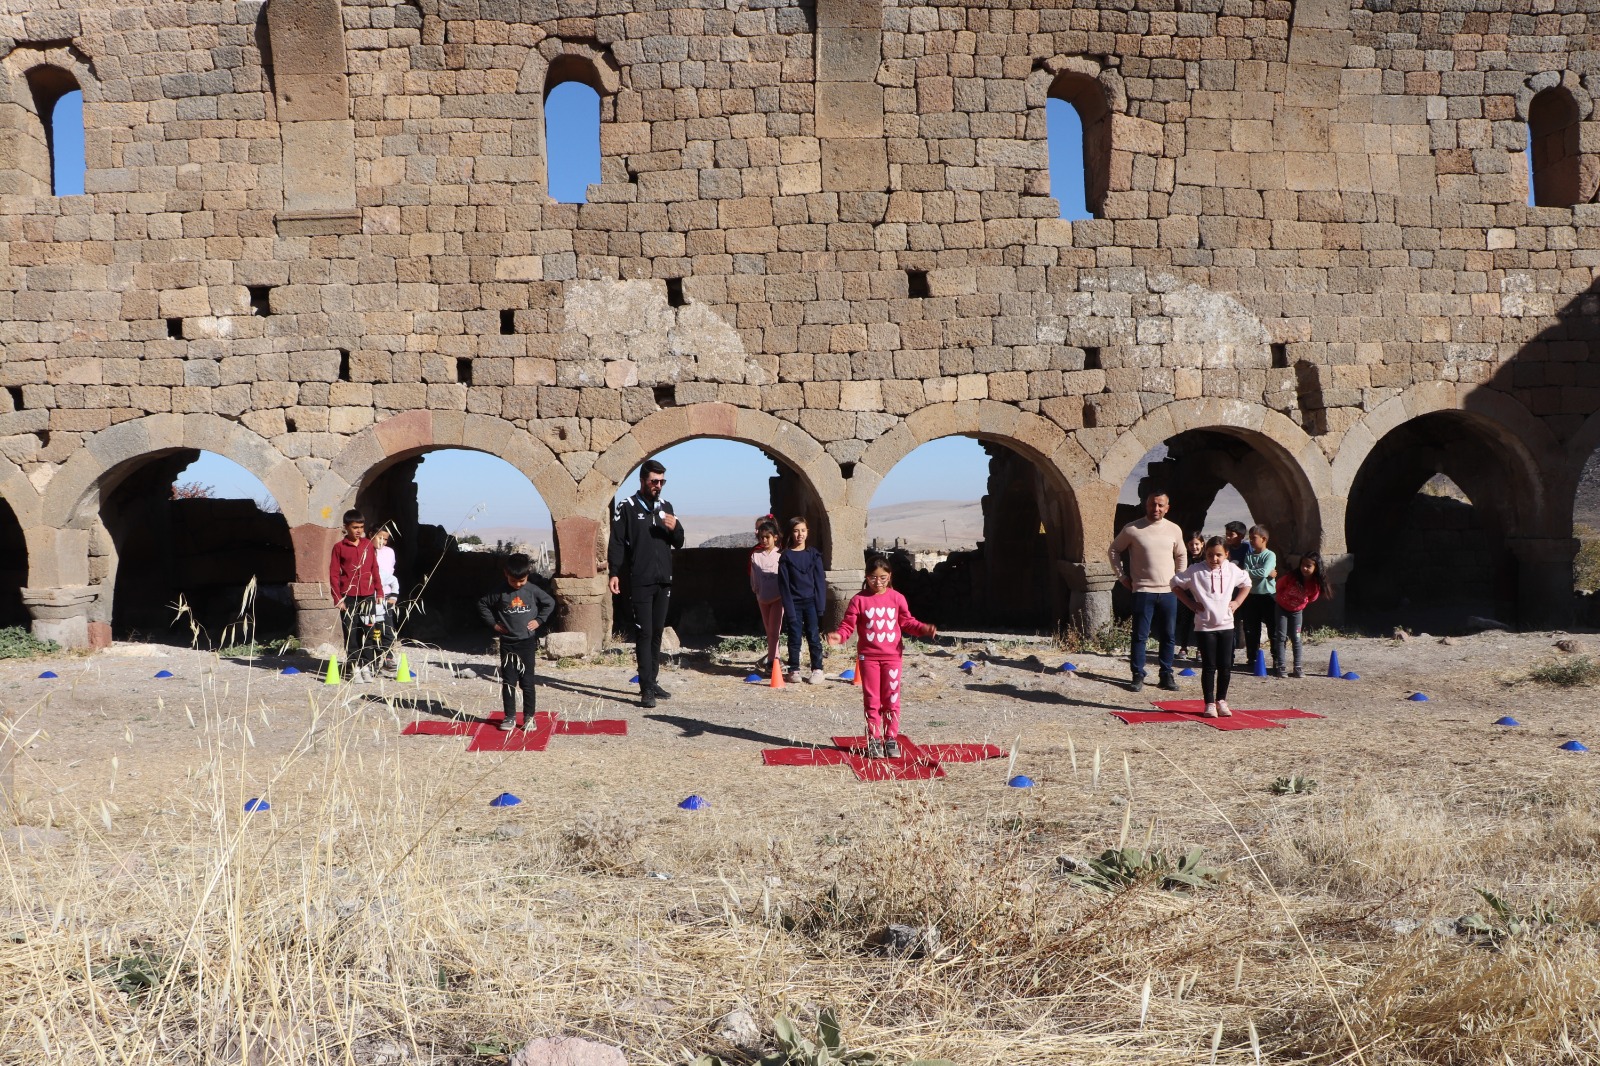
1210	711
794	677
816	677
1222	709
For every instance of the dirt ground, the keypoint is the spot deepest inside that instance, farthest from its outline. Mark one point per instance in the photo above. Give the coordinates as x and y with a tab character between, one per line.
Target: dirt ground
114	758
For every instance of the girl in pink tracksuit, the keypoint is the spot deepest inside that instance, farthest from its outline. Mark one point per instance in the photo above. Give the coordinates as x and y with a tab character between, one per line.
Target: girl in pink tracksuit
881	615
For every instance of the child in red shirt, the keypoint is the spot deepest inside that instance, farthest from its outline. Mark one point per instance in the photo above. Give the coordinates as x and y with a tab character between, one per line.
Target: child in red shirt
882	615
1296	591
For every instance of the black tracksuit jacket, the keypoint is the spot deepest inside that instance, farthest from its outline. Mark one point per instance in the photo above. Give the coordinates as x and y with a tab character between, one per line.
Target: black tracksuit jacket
641	547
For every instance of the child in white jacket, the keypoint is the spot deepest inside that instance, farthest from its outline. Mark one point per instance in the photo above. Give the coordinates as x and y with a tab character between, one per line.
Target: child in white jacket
1213	589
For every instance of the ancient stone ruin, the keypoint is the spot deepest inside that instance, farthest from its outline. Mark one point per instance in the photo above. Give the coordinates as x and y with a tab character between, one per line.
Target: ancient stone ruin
316	239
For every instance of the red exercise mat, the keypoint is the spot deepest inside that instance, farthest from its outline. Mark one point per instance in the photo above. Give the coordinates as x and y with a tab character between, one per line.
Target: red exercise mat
1193	711
804	757
438	729
602	727
916	762
1199	706
490	738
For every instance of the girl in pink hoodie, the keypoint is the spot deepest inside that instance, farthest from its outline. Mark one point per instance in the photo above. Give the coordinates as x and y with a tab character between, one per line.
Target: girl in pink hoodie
1213	589
882	615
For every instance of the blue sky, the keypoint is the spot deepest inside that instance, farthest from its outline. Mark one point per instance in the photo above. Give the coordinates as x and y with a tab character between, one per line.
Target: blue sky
461	490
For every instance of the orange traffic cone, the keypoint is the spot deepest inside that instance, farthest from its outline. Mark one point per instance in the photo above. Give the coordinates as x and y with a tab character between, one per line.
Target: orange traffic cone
777	673
855	678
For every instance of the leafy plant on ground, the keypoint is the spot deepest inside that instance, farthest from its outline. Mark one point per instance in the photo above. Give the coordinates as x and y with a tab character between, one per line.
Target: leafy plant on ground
1112	638
1504	922
728	647
17	643
825	1049
1293	786
1116	870
1323	634
603	843
492	1047
138	975
254	649
1566	673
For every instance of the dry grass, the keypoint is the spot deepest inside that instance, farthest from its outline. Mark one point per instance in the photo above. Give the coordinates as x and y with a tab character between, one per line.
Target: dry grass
376	915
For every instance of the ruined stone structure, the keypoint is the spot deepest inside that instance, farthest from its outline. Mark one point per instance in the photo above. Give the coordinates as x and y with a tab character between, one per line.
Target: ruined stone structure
317	240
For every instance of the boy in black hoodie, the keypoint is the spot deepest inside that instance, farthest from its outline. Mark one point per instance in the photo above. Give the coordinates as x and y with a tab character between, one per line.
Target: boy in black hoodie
517	611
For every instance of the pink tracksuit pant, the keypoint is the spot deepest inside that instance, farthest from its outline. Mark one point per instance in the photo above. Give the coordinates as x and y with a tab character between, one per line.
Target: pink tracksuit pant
880	695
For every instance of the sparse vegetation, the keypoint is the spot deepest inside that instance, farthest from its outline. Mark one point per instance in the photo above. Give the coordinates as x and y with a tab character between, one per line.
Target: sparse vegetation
255	649
826	1048
1586	564
1120	868
1567	672
17	643
1293	786
1112	638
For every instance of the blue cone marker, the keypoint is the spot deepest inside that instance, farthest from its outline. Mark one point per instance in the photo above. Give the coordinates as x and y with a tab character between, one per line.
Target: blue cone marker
752	679
1507	720
847	675
1187	671
291	669
505	799
47	675
252	805
1021	781
163	673
1260	669
693	803
634	680
1352	676
1333	665
1067	668
1417	697
968	665
1573	745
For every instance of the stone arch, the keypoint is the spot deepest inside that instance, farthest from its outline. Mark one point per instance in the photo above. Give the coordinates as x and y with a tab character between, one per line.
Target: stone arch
405	436
1289	456
555	61
782	440
1111	136
74	556
32	79
306	64
1564	484
18	525
1515	546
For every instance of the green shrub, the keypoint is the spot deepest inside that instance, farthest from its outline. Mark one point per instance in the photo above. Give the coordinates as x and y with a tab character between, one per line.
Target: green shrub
1113	638
1566	673
17	643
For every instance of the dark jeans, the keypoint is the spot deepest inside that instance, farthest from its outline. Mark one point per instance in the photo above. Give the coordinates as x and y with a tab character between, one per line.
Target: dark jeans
649	619
1161	608
1216	662
517	671
803	618
1286	627
1255	612
360	646
1185	637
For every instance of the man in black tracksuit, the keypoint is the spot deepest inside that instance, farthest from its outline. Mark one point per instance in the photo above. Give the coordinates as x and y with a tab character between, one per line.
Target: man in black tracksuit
517	611
643	533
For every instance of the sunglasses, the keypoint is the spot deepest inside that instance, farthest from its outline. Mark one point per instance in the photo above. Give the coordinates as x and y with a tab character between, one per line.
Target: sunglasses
656	481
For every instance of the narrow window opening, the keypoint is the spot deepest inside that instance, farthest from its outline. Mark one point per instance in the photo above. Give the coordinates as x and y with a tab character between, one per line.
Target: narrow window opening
1553	153
175	329
917	285
1280	357
675	297
508	322
1078	129
56	160
1091	359
289	424
261	300
464	371
1091	416
344	364
15	391
666	395
848	470
571	131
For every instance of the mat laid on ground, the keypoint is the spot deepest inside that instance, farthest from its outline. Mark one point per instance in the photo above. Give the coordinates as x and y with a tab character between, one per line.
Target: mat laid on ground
1192	711
917	762
486	735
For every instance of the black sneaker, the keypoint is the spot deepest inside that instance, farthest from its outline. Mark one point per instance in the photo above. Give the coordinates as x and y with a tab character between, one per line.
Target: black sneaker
1298	672
874	748
891	748
647	701
506	725
1168	682
660	693
528	723
1138	683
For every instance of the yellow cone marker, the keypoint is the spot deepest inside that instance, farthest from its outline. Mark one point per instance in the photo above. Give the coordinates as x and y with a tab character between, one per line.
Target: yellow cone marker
403	676
332	676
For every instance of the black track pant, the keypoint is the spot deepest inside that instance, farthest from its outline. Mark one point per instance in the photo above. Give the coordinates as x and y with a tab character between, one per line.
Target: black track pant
649	619
1216	662
517	671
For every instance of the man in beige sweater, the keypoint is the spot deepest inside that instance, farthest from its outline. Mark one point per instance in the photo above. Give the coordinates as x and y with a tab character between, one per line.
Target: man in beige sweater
1155	552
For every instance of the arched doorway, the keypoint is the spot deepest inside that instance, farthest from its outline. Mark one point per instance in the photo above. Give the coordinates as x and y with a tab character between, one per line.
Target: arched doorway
186	534
719	487
976	532
453	514
1429	523
13	568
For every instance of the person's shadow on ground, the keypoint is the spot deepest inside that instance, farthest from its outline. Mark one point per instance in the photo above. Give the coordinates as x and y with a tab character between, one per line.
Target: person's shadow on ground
692	728
1037	696
424	705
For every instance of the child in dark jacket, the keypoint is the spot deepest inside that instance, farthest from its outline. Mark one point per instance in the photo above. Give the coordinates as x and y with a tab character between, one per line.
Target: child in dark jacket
804	584
881	615
517	611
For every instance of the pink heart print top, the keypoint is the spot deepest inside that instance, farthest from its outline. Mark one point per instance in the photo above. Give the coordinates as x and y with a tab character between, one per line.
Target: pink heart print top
880	620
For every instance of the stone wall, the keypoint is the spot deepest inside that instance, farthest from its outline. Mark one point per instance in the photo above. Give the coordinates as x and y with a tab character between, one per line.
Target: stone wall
317	240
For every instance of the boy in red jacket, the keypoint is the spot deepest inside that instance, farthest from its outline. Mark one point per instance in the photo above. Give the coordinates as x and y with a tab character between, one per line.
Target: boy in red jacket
356	584
882	615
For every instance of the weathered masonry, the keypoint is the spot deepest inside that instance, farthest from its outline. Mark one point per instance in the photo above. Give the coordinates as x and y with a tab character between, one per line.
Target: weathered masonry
316	239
